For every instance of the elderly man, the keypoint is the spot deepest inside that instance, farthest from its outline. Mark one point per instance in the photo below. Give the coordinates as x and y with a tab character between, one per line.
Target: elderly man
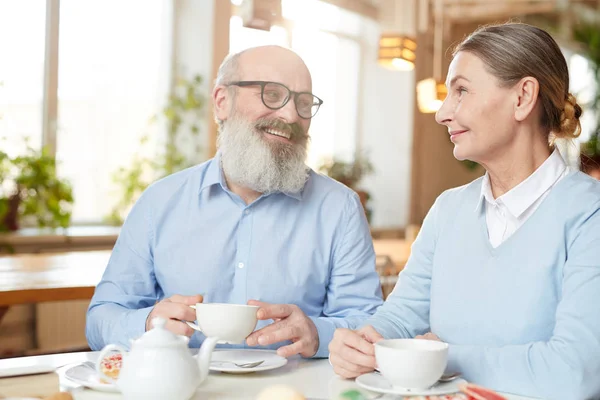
253	225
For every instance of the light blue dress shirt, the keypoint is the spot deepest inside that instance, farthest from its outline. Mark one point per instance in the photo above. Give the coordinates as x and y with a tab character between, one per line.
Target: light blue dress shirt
189	234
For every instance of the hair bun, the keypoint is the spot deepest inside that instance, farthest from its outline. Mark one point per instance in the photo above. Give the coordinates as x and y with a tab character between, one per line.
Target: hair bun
578	111
570	127
576	107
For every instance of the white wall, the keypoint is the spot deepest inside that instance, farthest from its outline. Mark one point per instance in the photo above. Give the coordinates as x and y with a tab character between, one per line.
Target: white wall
193	50
386	134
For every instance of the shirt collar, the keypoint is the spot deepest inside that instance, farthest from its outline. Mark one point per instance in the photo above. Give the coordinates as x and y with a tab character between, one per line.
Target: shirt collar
486	192
521	197
214	175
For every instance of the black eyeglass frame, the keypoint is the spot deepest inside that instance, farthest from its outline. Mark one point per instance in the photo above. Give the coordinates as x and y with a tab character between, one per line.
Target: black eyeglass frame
296	95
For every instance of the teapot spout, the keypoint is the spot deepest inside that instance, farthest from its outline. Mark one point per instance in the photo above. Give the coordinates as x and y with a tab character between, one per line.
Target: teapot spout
204	356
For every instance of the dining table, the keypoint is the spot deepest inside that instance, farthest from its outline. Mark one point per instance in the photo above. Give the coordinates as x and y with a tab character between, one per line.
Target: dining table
39	278
313	378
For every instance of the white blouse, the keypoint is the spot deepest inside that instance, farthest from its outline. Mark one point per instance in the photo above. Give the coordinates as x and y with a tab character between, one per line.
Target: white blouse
508	212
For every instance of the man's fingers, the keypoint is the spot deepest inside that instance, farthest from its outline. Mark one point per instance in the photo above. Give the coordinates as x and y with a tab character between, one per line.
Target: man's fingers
273	311
291	349
179	328
180	311
169	310
252	339
281	334
257	303
188	300
273	333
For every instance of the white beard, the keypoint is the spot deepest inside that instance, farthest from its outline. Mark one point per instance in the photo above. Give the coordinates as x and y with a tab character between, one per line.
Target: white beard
251	161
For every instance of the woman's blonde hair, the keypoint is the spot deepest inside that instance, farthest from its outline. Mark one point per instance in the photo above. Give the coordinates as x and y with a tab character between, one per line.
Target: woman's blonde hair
513	51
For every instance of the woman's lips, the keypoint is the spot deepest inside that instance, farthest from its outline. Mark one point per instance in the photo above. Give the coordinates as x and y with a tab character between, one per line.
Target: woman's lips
455	134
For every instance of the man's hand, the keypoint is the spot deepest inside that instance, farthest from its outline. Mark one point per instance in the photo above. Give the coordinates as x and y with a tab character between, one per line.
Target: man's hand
352	352
175	309
428	336
290	323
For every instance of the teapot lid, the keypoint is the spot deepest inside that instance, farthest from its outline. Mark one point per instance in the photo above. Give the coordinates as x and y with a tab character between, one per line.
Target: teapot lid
159	336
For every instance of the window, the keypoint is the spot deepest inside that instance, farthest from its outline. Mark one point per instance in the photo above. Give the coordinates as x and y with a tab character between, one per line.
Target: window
111	82
114	70
21	73
328	39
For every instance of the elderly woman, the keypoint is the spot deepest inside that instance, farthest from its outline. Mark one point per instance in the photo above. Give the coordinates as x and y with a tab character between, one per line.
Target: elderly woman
506	269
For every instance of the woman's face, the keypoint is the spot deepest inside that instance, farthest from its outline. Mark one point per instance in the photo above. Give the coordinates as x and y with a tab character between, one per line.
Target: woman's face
478	112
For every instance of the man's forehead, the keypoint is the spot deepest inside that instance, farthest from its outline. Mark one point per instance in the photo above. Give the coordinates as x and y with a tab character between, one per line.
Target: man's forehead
276	65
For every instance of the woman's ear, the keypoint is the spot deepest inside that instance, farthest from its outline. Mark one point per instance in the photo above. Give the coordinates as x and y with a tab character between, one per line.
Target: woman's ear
220	97
526	91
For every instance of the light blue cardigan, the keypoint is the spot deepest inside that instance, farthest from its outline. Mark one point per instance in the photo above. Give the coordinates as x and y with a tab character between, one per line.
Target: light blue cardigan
521	318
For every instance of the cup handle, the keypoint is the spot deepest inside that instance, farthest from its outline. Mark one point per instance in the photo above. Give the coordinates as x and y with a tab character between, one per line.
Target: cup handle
191	324
103	353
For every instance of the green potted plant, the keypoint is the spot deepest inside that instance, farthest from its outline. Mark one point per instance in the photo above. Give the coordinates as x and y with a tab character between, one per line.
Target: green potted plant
31	189
350	174
590	156
183	113
587	35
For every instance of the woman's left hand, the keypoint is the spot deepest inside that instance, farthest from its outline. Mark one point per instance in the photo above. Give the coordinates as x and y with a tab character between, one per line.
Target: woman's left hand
428	336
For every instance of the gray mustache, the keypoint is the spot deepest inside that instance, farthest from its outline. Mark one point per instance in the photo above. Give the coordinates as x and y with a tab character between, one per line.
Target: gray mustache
294	129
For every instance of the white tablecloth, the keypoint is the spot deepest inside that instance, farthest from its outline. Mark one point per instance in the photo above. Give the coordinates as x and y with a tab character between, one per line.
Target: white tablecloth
314	378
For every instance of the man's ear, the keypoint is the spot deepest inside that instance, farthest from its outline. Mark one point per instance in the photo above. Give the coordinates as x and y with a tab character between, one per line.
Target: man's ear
220	97
526	91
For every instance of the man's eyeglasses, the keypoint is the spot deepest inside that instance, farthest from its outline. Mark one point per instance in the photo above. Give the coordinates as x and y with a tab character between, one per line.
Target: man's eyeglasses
275	96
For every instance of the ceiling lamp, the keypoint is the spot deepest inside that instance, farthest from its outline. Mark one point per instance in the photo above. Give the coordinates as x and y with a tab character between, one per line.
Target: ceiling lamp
397	52
430	95
260	14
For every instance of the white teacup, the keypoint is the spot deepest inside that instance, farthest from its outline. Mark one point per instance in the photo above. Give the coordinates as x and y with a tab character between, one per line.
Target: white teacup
411	363
231	323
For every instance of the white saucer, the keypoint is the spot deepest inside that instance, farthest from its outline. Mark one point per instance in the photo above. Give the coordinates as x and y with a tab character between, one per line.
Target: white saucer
377	383
87	377
272	360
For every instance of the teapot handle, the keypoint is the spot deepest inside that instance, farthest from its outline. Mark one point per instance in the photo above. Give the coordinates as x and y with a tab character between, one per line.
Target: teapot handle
107	349
191	324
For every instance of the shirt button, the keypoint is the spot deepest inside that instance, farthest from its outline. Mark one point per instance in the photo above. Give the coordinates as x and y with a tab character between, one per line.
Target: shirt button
241	265
246	212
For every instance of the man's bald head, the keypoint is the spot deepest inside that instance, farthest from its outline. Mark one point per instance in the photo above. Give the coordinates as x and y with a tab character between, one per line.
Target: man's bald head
274	57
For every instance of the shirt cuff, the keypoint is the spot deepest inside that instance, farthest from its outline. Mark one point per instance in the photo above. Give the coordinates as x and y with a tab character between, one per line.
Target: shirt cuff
135	325
325	329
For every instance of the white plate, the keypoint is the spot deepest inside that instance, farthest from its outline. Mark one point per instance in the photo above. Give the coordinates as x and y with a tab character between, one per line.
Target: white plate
26	370
20	398
272	360
89	378
377	383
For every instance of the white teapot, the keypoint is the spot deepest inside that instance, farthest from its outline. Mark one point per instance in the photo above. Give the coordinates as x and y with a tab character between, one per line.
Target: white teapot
160	365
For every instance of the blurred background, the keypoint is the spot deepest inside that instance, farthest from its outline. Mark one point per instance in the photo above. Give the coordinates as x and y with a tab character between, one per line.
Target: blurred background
99	98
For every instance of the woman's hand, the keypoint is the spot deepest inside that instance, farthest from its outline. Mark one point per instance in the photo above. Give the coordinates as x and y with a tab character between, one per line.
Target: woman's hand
428	336
352	353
